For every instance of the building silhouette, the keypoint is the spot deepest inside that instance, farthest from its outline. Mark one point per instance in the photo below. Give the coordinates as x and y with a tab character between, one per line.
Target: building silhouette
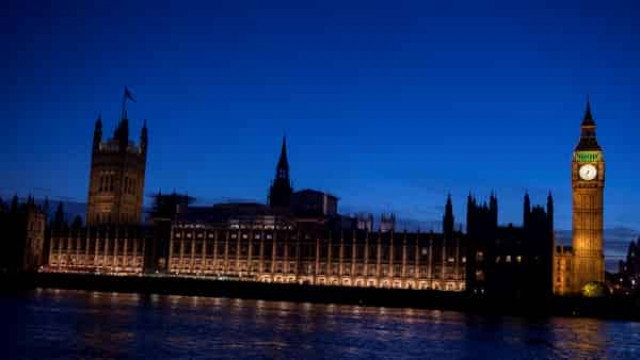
627	279
509	260
23	240
301	237
309	242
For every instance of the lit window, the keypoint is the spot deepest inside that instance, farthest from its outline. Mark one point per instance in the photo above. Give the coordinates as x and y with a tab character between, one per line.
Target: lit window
508	258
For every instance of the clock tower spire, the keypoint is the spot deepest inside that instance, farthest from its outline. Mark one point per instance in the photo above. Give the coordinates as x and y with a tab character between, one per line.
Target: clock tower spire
587	180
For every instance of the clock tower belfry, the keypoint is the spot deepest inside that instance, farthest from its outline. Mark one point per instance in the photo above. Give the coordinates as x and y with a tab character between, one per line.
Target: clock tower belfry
587	180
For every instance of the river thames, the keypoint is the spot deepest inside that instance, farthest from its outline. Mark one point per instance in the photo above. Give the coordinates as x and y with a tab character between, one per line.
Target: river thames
64	324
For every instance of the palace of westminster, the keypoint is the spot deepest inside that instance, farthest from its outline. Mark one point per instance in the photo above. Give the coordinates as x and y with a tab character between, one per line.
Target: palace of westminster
300	237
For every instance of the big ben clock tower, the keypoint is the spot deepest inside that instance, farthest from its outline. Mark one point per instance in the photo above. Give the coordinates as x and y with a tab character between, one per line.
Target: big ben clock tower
587	179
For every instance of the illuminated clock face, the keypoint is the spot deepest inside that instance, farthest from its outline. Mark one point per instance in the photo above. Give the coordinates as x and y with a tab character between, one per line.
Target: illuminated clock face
588	172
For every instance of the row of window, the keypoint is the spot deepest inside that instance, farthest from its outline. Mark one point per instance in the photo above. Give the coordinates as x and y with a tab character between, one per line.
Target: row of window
279	268
89	260
305	251
67	246
107	217
130	185
107	183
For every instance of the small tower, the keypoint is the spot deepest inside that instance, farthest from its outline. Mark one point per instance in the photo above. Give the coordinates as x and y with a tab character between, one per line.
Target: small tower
527	210
144	139
447	219
493	209
97	134
281	190
550	211
471	209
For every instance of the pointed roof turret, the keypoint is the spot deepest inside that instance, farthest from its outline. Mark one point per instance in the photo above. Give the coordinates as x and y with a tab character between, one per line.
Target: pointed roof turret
280	191
588	140
144	137
447	219
283	162
97	132
588	118
99	121
144	133
282	170
527	208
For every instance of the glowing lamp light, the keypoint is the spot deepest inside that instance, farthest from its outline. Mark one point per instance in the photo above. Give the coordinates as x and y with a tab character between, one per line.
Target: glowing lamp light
594	289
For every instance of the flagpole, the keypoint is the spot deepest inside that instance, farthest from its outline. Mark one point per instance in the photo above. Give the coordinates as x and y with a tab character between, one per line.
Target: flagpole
124	103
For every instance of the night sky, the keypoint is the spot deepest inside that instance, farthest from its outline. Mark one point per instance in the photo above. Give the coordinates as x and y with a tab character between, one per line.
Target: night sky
388	105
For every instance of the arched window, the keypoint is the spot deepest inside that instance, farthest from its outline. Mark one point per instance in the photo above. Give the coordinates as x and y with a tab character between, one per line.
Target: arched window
100	183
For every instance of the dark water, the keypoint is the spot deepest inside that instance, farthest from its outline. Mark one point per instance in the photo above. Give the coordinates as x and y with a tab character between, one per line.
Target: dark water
60	324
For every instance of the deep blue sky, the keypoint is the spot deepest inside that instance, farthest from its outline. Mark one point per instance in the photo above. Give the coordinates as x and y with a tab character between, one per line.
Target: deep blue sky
389	105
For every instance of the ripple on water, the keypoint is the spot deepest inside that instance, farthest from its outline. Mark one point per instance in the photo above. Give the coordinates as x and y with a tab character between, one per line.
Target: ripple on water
61	324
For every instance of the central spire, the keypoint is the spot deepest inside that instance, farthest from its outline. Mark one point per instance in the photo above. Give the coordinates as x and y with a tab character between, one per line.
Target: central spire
588	118
282	170
281	191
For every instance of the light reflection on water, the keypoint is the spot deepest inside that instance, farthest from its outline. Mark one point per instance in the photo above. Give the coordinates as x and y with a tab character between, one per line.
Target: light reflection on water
60	324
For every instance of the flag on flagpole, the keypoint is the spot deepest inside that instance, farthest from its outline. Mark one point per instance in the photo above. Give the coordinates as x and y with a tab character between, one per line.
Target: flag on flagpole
128	95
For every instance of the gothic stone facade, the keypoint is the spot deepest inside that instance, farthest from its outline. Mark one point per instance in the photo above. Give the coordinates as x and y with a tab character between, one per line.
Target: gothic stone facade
582	263
345	258
116	181
103	249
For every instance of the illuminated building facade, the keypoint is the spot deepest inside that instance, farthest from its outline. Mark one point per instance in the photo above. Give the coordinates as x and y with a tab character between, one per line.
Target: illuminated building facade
116	181
582	263
310	243
300	237
113	241
103	249
281	253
